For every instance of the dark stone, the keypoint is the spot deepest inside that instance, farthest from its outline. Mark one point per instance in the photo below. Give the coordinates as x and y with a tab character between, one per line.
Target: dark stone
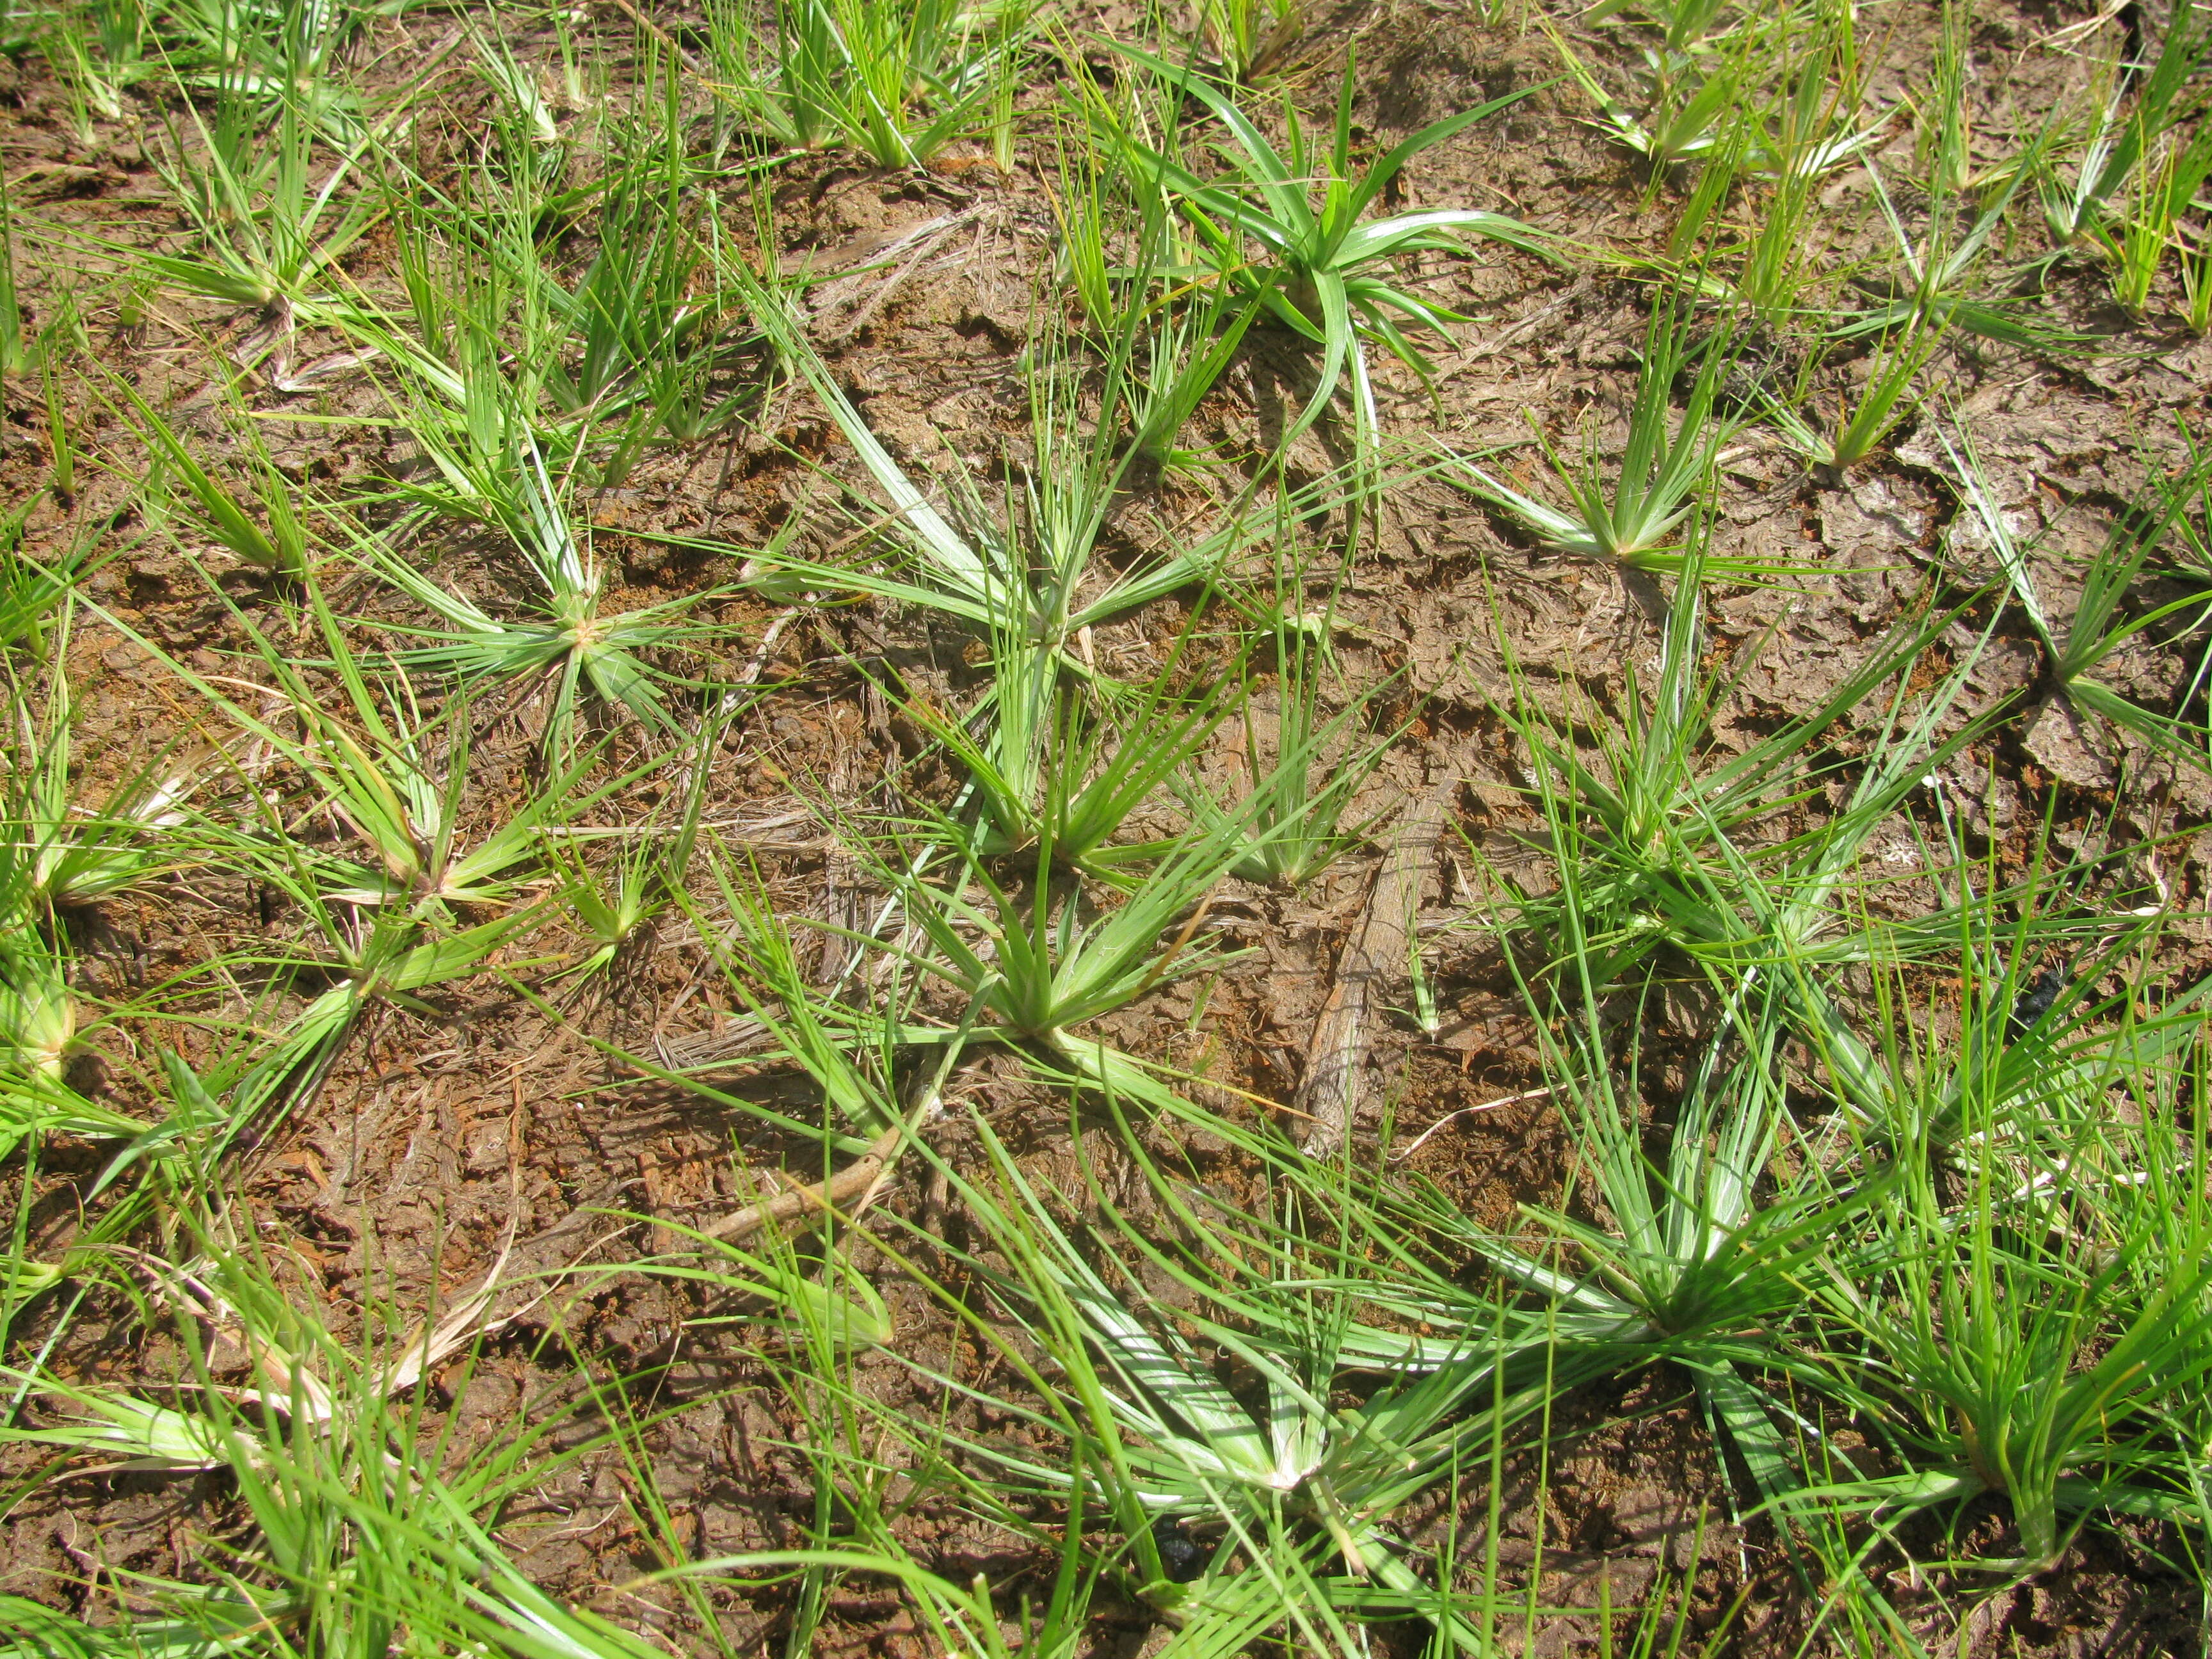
2034	1003
1182	1558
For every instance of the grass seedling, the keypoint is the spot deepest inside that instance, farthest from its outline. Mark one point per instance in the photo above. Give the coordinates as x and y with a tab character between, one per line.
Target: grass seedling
1627	514
47	1031
2193	254
1324	271
2124	140
849	1052
1050	767
1250	38
1939	283
637	299
1701	1257
1671	854
38	1017
502	353
270	52
15	346
392	776
1028	574
646	321
896	82
2034	1364
1696	1256
1944	134
30	593
58	859
651	863
1809	133
2021	1071
2144	160
2098	629
1290	1481
1164	340
1048	950
97	54
359	1522
470	405
265	529
568	644
1031	569
1303	774
827	1304
2165	185
271	221
523	102
60	854
1886	398
1085	207
1779	260
1688	109
1044	957
380	959
61	443
1180	354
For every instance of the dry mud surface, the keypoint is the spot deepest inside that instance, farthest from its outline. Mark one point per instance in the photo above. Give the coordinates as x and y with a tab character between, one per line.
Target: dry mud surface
494	1121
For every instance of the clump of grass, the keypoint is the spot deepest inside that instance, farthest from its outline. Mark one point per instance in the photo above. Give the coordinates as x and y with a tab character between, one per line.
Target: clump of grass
1886	398
897	83
616	902
1164	343
274	203
1626	513
1031	567
14	343
1321	268
2043	1363
265	529
1689	104
1249	38
1302	777
1234	1511
2142	144
1044	959
2099	629
569	646
360	1522
64	853
1939	277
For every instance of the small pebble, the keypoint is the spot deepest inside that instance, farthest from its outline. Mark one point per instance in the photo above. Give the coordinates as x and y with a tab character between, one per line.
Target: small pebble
1182	1558
2035	1002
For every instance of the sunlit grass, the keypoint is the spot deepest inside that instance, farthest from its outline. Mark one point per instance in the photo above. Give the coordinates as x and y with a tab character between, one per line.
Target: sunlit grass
1871	1110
